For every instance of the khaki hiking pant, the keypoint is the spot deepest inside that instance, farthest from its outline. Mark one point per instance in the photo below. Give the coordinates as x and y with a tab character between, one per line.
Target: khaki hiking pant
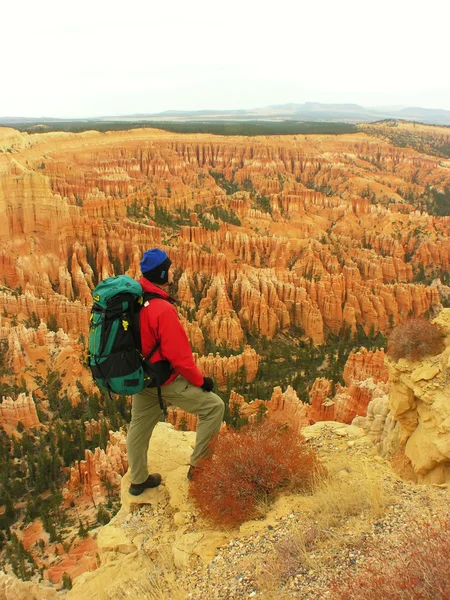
146	412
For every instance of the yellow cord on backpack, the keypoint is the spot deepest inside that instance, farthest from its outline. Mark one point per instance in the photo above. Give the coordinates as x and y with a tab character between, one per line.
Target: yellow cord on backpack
125	325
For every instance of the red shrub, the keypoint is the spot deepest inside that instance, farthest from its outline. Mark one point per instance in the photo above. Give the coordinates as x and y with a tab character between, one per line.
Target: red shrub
415	339
416	569
245	466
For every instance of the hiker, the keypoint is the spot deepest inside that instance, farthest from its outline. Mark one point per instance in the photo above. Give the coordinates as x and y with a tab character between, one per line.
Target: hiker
183	384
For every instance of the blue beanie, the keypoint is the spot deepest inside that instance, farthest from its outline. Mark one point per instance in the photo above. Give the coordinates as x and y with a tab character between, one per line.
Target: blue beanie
155	265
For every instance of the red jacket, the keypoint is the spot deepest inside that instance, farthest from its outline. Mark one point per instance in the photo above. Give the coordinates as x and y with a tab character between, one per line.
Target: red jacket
159	322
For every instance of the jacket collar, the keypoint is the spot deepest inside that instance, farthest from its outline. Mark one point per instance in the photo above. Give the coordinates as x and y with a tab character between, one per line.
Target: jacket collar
149	286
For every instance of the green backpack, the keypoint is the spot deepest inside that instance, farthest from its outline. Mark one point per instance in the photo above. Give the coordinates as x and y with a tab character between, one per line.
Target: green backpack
115	357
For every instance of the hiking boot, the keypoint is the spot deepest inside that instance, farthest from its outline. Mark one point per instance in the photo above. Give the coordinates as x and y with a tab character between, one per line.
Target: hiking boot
191	473
152	481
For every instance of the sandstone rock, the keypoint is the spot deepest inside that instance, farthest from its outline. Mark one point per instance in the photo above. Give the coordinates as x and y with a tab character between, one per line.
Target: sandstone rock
285	407
12	588
89	476
217	316
152	496
317	430
425	373
182	420
364	364
58	208
112	579
112	539
353	401
248	410
315	261
43	351
22	410
422	410
169	451
32	534
80	558
378	423
223	368
322	405
202	544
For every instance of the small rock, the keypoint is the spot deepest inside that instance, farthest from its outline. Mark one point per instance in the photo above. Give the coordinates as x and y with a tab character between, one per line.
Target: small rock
341	433
139	540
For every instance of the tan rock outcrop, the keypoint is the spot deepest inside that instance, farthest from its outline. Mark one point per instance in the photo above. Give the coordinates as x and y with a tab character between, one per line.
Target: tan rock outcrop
249	410
378	423
418	400
365	374
12	588
92	428
217	316
81	557
354	400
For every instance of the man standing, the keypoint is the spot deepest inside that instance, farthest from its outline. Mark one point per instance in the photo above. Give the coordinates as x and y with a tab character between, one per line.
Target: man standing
184	385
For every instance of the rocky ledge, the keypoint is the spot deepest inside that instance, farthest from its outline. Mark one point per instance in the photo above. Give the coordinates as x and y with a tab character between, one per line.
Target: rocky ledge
157	546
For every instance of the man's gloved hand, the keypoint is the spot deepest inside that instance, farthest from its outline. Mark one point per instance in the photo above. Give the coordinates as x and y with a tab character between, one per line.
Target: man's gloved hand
207	385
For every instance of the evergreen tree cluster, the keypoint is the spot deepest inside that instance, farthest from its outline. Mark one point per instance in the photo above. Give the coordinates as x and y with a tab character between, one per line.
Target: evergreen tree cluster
289	359
31	466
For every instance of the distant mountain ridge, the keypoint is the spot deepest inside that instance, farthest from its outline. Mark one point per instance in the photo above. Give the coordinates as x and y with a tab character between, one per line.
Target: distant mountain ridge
308	111
312	111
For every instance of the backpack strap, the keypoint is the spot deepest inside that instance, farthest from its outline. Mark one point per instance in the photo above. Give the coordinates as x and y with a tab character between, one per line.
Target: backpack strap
162	403
147	358
147	296
152	352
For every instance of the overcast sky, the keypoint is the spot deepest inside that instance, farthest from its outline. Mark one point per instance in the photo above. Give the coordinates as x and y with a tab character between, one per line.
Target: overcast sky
103	57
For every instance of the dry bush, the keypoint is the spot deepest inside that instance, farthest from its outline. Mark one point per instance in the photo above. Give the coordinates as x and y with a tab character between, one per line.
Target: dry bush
339	498
415	569
415	339
248	468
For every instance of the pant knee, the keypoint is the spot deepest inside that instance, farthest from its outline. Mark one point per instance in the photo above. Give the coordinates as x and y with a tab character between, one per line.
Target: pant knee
218	406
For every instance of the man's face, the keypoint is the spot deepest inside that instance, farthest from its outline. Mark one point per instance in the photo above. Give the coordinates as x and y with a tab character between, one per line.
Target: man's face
170	276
